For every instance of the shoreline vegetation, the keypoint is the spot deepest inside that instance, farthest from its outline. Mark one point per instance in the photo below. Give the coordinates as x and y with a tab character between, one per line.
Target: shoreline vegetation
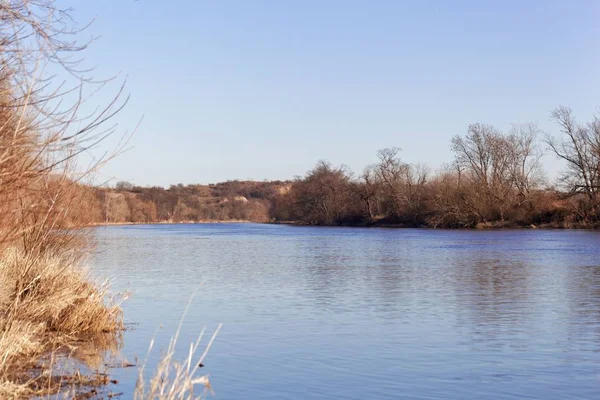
58	324
495	180
371	224
56	321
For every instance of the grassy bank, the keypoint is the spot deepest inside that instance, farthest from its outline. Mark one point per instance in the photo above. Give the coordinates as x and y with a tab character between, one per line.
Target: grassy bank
57	323
51	310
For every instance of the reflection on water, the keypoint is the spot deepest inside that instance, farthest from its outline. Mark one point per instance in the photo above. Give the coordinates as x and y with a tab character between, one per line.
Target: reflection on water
95	351
367	313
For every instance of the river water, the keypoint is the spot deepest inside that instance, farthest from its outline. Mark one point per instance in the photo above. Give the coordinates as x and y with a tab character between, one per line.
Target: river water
353	313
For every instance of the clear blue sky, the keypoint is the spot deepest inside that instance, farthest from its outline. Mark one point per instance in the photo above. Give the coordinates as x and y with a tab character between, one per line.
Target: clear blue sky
264	89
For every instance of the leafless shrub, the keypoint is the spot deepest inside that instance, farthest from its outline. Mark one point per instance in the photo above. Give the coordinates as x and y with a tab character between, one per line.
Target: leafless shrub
48	302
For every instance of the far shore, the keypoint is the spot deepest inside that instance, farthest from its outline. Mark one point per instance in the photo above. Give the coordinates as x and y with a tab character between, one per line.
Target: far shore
228	221
478	227
375	224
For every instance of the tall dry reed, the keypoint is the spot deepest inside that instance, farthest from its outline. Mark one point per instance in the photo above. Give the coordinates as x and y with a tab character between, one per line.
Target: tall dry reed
174	379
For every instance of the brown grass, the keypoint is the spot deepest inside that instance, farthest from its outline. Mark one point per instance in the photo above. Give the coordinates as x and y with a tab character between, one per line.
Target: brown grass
60	313
174	379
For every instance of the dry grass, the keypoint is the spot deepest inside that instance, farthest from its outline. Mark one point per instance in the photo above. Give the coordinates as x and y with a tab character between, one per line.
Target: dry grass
56	292
55	320
173	379
51	310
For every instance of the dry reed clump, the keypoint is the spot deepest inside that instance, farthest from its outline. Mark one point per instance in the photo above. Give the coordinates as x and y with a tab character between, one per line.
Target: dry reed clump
175	379
56	292
50	308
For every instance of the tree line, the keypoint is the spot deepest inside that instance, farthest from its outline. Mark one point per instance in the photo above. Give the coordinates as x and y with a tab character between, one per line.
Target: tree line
495	179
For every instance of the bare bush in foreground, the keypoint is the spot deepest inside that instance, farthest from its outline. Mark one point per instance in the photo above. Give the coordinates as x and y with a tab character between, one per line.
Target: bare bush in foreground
48	303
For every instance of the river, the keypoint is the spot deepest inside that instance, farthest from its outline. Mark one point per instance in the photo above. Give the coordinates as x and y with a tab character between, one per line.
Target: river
359	313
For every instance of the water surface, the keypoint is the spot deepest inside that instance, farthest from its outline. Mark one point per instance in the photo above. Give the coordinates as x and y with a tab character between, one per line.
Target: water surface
352	313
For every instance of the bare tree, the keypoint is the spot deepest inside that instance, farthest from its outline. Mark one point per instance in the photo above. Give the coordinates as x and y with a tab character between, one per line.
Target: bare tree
447	199
43	126
525	160
368	189
392	172
503	168
416	181
123	185
403	184
579	147
321	197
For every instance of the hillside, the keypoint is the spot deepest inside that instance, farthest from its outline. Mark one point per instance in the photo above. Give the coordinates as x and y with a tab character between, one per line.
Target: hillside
232	200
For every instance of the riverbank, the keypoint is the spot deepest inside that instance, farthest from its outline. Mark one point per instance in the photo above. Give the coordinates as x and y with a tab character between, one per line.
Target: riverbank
372	224
94	224
479	226
56	322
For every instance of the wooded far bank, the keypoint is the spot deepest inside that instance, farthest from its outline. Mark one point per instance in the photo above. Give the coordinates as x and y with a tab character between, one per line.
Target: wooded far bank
495	180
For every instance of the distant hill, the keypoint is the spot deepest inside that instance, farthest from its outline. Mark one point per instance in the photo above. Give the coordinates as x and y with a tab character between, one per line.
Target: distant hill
232	200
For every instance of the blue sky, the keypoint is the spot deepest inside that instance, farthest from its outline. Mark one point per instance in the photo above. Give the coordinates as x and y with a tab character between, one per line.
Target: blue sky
264	89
